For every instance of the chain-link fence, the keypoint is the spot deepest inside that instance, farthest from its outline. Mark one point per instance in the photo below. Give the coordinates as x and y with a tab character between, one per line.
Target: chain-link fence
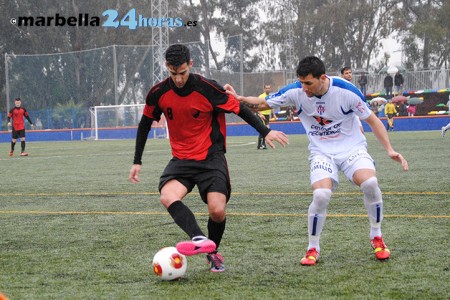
59	89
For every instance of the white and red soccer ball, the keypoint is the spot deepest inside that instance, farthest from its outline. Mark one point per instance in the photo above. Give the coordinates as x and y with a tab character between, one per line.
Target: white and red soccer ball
169	264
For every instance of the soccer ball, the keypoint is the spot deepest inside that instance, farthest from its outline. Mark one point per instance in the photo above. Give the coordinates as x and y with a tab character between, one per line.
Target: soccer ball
169	264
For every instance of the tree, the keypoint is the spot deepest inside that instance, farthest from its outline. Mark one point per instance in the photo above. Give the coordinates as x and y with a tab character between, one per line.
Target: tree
223	19
425	33
53	39
340	32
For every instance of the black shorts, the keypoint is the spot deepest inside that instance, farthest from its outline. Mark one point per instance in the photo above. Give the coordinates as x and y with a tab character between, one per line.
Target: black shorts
18	134
210	175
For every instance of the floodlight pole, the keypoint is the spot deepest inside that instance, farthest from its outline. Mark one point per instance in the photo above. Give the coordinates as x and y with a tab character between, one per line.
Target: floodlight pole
7	82
290	63
160	39
116	87
241	77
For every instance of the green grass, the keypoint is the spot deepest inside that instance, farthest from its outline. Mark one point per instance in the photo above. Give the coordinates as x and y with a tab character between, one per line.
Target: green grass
73	227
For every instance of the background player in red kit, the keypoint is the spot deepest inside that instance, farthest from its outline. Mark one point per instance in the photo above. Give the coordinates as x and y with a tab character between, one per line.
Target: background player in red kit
195	109
17	114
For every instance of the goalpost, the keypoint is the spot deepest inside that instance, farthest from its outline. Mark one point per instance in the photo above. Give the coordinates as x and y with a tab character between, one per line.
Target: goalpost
122	117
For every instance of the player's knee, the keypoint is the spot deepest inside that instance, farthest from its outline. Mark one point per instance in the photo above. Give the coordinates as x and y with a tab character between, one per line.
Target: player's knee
217	212
371	189
216	206
166	199
217	215
321	198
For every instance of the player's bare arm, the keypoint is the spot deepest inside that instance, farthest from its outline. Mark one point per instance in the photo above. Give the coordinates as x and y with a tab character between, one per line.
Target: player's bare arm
134	173
254	103
277	136
381	134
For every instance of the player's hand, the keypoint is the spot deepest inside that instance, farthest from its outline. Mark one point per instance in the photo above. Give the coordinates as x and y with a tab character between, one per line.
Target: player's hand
279	136
134	174
9	124
230	90
32	126
399	158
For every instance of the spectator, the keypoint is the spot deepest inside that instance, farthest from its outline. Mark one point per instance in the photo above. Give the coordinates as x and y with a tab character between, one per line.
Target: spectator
346	73
411	110
381	110
362	81
398	81
375	107
388	84
290	113
402	110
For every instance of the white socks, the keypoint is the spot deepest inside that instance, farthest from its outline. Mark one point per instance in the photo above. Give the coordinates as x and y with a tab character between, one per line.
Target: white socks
374	205
317	213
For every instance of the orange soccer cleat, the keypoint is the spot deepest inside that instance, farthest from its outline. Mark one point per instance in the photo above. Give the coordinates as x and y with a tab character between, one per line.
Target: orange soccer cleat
380	249
310	258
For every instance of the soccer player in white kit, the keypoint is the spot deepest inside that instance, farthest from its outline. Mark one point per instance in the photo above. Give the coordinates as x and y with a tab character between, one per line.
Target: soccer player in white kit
329	108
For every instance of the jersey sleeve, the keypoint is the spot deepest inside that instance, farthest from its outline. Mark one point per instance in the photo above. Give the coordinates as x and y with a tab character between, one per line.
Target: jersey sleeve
285	96
216	95
141	138
362	110
151	112
354	99
27	116
152	109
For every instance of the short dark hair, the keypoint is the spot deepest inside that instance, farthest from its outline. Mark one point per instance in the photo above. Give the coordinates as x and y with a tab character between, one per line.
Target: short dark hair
177	54
17	99
345	69
310	65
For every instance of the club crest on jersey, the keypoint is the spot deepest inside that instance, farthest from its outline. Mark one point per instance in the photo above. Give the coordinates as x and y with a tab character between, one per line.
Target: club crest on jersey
320	109
322	121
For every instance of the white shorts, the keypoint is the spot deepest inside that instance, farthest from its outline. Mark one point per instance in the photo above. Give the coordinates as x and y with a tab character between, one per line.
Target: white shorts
325	166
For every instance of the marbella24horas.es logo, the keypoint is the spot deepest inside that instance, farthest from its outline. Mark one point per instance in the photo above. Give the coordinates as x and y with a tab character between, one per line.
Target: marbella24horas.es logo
111	18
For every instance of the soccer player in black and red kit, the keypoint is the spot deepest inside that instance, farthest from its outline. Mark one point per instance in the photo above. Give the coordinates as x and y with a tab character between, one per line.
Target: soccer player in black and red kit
17	114
195	109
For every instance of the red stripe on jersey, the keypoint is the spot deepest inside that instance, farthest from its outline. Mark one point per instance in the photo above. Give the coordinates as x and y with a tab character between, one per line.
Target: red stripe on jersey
148	111
232	105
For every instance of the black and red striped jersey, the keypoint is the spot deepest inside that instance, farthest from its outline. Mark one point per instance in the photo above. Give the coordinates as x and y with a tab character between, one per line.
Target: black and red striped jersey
17	114
195	115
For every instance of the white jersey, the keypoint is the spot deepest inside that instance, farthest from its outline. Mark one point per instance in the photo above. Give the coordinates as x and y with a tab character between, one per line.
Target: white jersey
331	121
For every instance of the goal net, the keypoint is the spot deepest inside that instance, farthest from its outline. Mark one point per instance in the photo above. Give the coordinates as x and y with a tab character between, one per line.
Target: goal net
120	121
